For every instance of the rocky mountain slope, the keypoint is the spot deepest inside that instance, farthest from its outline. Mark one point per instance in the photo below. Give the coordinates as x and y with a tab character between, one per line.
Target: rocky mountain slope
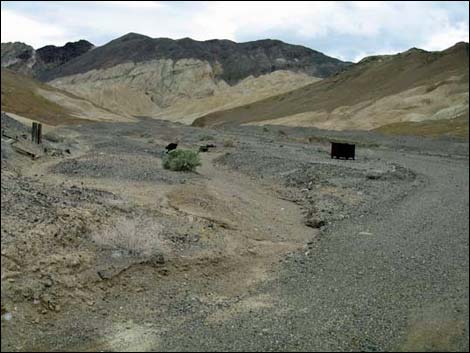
412	86
23	58
249	90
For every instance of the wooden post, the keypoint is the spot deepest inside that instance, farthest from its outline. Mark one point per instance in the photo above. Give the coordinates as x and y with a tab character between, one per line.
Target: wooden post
39	137
34	132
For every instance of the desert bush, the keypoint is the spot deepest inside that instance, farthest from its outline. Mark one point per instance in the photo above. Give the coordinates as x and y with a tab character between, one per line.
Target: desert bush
282	133
139	237
181	160
229	143
265	129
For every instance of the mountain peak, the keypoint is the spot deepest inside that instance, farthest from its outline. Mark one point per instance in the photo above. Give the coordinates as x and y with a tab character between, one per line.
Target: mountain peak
458	47
131	36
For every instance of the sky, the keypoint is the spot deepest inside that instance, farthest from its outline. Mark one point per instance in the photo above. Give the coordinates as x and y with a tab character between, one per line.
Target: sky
345	30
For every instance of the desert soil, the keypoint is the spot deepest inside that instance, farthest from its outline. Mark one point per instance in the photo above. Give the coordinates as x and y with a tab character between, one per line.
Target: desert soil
270	245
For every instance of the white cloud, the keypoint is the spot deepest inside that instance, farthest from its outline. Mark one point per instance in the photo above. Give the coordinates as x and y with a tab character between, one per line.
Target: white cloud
131	4
17	27
447	37
369	26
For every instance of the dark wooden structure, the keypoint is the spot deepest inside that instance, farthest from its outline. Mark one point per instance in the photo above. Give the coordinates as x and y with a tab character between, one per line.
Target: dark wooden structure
171	146
343	150
36	133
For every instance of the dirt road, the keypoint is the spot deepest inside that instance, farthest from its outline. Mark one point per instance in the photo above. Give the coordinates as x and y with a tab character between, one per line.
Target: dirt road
396	279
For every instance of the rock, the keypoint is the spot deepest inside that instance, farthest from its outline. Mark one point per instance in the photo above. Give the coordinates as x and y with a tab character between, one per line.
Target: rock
104	274
313	221
374	175
155	260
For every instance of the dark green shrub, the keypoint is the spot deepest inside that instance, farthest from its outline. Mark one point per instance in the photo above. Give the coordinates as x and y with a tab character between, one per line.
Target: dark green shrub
181	160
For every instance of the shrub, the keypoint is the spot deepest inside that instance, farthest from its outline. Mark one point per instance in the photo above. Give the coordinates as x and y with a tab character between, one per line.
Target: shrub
181	160
229	143
140	237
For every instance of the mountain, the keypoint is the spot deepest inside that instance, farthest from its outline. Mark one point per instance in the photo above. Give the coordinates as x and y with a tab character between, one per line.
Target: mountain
412	86
232	61
31	99
24	59
18	57
139	75
215	82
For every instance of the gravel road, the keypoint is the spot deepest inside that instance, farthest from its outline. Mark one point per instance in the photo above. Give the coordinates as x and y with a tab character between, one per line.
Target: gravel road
393	280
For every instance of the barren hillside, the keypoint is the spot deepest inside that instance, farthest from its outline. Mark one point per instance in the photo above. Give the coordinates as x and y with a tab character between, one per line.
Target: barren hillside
29	98
412	86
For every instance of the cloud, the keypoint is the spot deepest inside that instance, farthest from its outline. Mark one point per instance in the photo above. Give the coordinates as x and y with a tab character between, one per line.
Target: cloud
348	29
16	27
448	36
131	4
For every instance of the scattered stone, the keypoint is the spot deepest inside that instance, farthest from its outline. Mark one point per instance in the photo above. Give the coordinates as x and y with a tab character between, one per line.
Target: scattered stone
155	260
374	175
104	274
313	221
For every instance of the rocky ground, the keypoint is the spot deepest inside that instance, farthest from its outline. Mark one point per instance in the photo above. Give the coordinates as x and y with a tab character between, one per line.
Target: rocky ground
270	245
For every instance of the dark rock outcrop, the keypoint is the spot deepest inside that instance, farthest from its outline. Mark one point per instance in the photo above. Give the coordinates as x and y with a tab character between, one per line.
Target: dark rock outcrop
18	57
24	59
51	56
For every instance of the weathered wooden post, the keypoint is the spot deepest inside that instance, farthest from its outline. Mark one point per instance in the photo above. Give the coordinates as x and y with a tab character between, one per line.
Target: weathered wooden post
39	137
33	132
36	133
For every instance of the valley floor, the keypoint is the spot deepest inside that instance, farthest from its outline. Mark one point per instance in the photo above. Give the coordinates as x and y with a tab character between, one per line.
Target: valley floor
270	246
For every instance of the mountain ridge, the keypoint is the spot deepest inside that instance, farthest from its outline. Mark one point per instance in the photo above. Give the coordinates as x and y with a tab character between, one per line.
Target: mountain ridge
237	60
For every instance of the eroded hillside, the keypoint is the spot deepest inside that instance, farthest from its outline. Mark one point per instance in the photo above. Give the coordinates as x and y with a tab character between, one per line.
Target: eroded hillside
412	86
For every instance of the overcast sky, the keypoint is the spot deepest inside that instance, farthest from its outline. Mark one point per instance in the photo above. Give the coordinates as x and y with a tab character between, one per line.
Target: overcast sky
346	30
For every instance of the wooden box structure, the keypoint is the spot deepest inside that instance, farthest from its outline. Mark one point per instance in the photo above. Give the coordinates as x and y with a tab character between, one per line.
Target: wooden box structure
343	150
